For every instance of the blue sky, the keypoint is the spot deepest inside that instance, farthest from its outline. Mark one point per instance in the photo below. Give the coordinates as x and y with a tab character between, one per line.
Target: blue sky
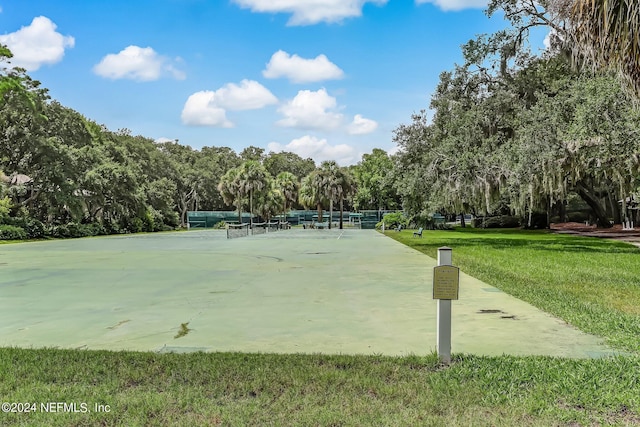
327	79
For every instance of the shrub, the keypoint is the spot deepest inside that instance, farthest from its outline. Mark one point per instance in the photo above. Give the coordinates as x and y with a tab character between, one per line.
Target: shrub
393	220
11	232
73	230
59	231
220	225
153	220
5	208
578	216
443	226
136	225
112	227
171	219
34	228
500	221
538	221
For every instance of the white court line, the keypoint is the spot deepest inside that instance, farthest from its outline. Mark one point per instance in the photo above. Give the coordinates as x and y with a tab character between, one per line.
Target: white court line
340	235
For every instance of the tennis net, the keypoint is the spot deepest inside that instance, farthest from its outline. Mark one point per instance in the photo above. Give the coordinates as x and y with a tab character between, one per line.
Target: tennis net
237	230
259	228
274	226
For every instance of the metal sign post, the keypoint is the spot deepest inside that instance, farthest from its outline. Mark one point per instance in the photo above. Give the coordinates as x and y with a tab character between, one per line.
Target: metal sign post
446	280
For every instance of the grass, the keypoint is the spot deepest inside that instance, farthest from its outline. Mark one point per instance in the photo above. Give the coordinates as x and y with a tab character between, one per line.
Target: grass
591	283
145	389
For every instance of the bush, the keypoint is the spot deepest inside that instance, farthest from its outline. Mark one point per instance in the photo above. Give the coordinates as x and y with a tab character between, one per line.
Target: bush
136	225
501	221
11	232
34	228
538	221
220	225
73	230
578	216
112	227
424	219
393	220
442	226
5	208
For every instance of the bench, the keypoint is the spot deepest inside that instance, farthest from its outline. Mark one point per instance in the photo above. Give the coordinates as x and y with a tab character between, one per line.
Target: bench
418	233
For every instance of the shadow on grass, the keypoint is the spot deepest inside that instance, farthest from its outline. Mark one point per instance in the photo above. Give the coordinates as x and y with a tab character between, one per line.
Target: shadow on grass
506	239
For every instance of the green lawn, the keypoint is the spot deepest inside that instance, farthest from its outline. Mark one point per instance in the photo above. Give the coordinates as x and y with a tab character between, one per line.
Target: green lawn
591	283
144	389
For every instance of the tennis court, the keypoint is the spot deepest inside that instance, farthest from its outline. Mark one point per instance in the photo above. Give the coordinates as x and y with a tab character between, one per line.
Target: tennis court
292	291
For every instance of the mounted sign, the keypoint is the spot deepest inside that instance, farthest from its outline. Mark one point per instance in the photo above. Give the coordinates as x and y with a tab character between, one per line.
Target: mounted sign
446	282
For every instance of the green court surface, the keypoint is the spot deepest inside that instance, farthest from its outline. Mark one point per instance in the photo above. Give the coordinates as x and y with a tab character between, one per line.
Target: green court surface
294	291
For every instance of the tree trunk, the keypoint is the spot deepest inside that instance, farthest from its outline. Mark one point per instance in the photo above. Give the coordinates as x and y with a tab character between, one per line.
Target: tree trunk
530	209
251	209
239	199
462	223
330	213
284	212
594	203
548	213
319	212
183	216
183	210
562	210
341	212
616	213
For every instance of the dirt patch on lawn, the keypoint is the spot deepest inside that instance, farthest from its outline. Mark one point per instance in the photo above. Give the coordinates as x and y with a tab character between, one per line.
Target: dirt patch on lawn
616	232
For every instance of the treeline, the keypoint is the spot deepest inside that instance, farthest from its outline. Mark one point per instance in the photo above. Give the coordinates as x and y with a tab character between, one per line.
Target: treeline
526	138
515	133
64	175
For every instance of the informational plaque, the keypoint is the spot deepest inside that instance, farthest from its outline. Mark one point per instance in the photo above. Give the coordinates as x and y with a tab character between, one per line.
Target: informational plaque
446	282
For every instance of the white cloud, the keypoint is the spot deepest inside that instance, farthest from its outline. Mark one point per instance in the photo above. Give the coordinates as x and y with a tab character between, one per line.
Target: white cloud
37	44
547	41
310	110
317	149
306	12
553	40
361	126
201	110
250	95
301	70
456	4
208	108
394	150
137	63
163	139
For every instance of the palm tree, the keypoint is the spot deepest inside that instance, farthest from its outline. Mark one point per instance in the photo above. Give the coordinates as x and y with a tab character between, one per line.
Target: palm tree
331	185
312	192
346	188
229	188
288	185
252	178
338	185
270	201
605	35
